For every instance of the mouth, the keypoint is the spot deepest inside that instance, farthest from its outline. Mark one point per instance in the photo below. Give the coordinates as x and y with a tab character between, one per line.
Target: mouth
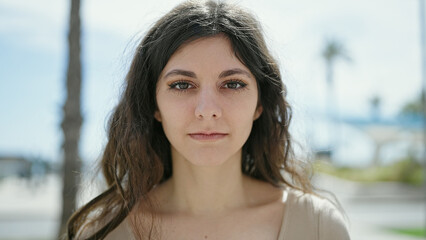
207	136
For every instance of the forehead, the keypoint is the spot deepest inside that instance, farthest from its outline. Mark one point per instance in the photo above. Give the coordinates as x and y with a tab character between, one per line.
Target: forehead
213	53
205	43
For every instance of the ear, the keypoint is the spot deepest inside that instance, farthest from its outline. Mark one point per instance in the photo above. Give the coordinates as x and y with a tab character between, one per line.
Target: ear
258	112
157	115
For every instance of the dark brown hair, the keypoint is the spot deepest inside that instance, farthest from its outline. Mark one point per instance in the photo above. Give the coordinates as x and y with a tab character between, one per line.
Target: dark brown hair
137	155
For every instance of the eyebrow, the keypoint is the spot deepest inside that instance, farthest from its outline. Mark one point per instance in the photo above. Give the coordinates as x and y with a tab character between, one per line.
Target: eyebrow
233	71
180	72
223	74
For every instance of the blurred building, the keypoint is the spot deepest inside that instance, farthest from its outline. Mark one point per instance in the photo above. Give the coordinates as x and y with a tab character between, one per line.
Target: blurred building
25	167
14	166
363	142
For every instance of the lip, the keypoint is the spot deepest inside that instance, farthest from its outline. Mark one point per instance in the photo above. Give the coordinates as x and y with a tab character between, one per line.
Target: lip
207	136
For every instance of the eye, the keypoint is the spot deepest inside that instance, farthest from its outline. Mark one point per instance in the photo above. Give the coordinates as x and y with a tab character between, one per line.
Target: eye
180	85
234	84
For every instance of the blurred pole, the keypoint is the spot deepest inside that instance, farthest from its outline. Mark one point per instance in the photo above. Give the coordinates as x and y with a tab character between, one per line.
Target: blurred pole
72	119
332	51
331	108
423	76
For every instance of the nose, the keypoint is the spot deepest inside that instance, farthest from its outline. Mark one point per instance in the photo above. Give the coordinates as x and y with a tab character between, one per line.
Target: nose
207	106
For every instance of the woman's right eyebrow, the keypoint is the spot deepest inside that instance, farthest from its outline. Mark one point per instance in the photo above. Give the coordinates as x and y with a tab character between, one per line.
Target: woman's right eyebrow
180	72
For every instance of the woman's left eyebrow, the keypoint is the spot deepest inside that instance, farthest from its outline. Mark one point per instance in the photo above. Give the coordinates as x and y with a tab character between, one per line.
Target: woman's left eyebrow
233	71
180	72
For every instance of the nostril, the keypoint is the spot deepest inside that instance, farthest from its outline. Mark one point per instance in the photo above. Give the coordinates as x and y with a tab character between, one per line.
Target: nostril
207	106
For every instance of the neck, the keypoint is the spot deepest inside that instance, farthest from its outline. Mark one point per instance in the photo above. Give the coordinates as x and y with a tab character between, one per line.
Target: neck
207	190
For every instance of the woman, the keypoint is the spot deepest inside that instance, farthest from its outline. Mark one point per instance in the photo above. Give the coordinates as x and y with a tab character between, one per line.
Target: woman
198	146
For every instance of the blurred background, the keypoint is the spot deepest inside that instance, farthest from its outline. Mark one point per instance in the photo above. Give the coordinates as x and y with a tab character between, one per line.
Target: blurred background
353	71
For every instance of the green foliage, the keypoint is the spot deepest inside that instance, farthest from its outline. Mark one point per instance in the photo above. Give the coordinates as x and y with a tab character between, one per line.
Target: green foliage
415	232
406	170
414	107
334	49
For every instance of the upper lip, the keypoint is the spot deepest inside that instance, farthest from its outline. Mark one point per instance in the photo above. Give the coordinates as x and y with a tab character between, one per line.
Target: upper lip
207	133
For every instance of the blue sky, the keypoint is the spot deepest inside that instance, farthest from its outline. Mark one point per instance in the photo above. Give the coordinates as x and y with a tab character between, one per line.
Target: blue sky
381	37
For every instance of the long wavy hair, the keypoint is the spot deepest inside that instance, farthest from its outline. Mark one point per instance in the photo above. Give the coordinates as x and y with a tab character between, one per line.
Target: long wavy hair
137	156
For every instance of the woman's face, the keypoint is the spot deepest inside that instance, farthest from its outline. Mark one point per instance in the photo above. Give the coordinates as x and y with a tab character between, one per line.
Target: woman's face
207	102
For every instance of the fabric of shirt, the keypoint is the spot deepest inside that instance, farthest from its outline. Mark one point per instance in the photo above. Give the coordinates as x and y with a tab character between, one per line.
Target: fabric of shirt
310	217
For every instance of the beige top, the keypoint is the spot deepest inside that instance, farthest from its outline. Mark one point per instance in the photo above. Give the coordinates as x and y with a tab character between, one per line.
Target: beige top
309	217
306	217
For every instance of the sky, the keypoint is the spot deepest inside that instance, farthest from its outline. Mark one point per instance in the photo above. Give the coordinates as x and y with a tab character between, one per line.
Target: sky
382	39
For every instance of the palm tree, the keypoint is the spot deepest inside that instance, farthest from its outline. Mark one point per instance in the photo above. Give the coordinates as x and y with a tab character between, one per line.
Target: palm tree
332	51
375	104
72	119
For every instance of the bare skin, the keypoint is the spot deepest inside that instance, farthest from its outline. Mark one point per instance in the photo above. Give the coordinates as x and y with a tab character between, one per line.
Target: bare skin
257	216
261	219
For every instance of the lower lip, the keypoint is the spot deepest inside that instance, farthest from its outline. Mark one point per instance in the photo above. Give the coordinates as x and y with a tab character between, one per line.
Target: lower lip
208	137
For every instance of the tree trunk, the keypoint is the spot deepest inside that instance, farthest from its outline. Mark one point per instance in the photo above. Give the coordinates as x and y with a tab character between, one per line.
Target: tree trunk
72	120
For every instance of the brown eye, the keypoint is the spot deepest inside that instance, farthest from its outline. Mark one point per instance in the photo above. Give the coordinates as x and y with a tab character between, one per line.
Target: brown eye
235	84
180	85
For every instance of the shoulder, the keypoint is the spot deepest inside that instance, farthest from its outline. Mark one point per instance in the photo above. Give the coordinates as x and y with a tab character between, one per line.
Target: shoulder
122	231
93	227
310	213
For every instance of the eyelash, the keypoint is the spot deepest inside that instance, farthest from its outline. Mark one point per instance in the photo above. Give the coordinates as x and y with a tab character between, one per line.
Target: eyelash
241	83
174	85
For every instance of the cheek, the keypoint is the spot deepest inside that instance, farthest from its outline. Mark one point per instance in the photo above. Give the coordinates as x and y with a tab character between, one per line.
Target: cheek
241	114
174	114
243	108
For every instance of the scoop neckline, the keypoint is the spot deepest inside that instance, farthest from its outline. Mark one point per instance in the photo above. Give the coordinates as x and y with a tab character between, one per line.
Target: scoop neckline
287	196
